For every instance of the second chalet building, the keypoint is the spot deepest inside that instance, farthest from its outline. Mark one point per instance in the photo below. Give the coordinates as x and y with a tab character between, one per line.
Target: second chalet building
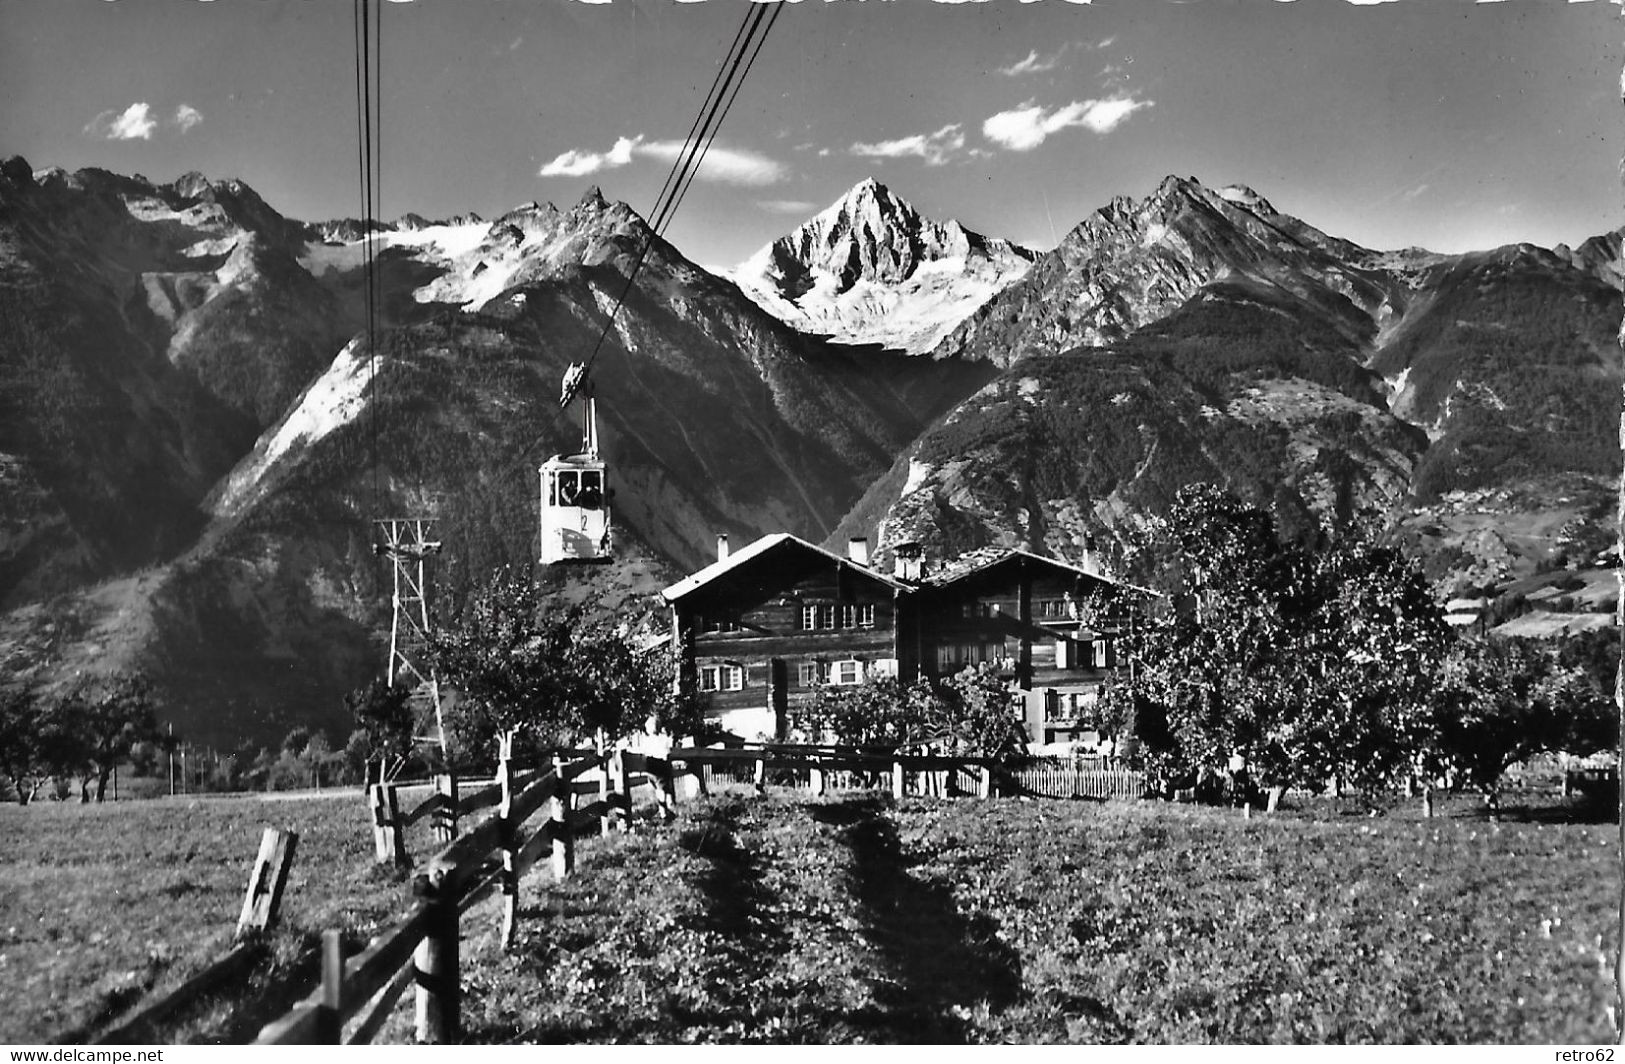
769	624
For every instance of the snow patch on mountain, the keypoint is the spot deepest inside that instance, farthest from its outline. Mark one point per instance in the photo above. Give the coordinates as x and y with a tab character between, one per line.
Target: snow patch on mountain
435	242
333	400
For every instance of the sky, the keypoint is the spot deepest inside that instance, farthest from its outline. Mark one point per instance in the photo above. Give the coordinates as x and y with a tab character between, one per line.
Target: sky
1445	124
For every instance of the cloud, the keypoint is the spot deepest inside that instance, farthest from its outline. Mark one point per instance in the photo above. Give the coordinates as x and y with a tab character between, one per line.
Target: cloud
1033	64
1415	192
187	116
729	166
935	148
1028	126
787	206
135	123
576	163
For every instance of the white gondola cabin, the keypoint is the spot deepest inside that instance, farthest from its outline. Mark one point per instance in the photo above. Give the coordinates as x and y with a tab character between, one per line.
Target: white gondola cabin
575	493
575	509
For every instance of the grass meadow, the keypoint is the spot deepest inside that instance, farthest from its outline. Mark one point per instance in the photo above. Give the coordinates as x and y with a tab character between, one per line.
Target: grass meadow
102	906
856	919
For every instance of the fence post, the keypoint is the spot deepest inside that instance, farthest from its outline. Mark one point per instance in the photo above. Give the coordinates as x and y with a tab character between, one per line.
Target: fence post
897	780
439	983
445	815
623	794
510	833
388	843
760	779
564	856
984	782
331	1025
267	881
606	807
815	779
666	792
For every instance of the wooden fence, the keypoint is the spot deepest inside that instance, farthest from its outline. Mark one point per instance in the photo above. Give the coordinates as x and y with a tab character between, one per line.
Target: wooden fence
586	793
1043	781
357	994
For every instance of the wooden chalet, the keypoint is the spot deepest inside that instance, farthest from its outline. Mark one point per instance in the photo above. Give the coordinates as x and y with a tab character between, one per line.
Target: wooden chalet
1043	623
767	624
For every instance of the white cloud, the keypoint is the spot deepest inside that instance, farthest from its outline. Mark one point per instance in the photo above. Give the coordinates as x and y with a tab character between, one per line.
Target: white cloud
135	123
935	148
576	163
1033	64
187	116
1415	192
729	166
787	206
1028	126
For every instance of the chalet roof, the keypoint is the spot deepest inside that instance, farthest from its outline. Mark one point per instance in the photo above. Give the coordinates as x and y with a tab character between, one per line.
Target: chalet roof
985	558
765	545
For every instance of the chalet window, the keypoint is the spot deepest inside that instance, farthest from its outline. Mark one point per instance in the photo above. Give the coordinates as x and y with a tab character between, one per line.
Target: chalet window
847	672
814	618
830	617
946	656
813	673
722	622
1052	704
861	615
1101	659
722	678
1063	653
1055	609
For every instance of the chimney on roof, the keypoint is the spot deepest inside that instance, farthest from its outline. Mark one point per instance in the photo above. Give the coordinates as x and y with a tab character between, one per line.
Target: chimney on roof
908	562
1089	563
722	546
857	550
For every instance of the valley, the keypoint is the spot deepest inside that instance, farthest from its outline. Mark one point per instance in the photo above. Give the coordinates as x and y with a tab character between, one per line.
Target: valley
195	438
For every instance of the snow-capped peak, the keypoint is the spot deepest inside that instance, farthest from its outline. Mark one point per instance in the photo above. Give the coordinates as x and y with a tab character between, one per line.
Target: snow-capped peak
869	269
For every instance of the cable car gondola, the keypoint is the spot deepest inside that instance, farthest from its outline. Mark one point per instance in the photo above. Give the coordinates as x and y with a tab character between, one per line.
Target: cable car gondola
575	494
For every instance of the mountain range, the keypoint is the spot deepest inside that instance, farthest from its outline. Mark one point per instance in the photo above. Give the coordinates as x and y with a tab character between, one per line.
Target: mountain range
196	436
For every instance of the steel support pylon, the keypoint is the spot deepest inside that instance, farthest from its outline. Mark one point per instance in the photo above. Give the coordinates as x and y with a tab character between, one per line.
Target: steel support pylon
406	542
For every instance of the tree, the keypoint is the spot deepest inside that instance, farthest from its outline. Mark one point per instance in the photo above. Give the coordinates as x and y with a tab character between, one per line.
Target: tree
882	713
1501	701
547	676
973	714
383	726
111	716
1304	660
20	753
968	714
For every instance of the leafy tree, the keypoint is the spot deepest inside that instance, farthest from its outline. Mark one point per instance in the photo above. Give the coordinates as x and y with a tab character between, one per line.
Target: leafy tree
111	717
547	676
384	725
1305	660
881	713
973	714
968	714
20	754
1501	701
